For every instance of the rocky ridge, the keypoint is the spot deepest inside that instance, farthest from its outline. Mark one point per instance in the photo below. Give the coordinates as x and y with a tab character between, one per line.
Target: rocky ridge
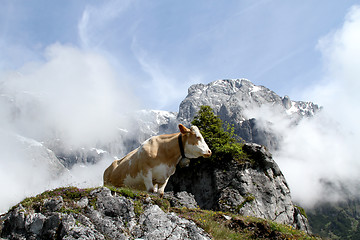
103	213
97	214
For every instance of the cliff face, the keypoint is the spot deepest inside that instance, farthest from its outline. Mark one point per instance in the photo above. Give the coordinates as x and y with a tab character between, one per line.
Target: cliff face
251	188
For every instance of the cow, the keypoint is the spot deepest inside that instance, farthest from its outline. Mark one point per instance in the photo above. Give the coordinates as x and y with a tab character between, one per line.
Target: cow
153	163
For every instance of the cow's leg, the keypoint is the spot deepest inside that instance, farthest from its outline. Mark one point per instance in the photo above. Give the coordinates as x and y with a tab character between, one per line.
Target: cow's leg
156	187
148	182
162	188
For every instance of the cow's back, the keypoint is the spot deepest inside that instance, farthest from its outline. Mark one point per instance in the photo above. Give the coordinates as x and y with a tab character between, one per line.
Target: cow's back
135	162
115	174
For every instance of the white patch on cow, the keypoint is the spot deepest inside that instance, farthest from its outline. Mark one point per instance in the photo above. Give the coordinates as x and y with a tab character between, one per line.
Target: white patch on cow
148	181
137	182
162	172
195	151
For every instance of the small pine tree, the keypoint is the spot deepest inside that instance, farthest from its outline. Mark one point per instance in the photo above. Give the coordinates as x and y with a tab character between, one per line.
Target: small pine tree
222	143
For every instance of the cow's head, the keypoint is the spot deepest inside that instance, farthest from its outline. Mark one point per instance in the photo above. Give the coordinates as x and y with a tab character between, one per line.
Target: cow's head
194	144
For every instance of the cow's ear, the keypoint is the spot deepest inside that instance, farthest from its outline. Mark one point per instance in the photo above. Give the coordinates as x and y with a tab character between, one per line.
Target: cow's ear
183	129
194	129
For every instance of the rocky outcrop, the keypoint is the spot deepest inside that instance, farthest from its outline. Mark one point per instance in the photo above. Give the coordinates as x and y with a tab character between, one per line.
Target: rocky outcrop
253	187
100	214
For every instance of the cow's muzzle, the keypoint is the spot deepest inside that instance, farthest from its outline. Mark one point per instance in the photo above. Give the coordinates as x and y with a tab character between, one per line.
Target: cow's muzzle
208	154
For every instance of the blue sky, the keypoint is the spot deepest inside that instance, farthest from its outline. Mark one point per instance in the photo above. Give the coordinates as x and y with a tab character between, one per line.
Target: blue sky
159	48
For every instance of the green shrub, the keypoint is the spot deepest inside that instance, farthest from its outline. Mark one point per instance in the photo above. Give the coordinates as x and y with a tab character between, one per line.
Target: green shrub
247	199
223	143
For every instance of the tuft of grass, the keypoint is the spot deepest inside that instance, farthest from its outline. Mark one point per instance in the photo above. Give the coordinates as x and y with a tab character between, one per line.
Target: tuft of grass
75	210
248	199
222	225
302	211
126	192
141	197
138	207
208	220
163	203
69	195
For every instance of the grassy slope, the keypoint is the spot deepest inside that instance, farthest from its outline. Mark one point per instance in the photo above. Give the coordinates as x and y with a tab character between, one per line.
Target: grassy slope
219	225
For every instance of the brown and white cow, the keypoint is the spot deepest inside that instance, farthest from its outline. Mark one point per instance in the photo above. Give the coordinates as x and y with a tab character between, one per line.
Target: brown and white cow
155	160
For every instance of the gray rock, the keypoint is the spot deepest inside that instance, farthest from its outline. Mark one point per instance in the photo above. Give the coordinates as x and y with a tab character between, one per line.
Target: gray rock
181	199
300	221
54	204
51	225
159	225
34	223
71	229
83	202
14	222
287	102
113	214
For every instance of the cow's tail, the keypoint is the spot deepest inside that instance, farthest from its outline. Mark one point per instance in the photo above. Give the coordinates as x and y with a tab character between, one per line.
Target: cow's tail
107	174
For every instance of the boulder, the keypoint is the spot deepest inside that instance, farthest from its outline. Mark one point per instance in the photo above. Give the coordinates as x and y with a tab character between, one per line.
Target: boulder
181	199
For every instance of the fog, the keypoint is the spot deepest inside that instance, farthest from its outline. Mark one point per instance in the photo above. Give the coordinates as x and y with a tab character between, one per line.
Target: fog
320	156
72	95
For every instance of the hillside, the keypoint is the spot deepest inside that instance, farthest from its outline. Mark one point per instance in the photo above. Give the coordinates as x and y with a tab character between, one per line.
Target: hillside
337	220
103	213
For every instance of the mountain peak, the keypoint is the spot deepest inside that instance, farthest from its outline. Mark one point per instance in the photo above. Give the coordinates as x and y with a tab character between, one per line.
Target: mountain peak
233	99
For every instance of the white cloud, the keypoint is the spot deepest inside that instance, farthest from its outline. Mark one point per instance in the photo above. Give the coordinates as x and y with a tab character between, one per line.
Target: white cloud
95	23
325	148
162	88
74	95
75	92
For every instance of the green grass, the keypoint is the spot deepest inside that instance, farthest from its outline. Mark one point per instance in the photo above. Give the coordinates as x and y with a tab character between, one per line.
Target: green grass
248	199
239	227
302	211
126	192
69	195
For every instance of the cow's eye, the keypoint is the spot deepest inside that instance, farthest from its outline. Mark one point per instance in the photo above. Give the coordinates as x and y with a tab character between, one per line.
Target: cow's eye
198	138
